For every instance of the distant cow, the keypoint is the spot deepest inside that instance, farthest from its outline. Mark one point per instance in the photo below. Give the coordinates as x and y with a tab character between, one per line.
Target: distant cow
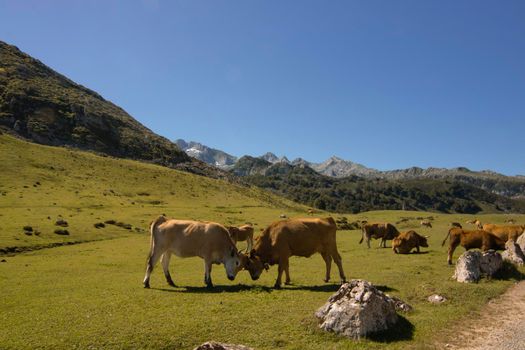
385	231
294	237
406	241
311	211
472	239
242	233
505	232
456	224
426	223
185	238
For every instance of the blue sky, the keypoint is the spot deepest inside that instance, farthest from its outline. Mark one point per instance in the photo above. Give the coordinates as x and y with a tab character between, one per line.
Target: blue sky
389	84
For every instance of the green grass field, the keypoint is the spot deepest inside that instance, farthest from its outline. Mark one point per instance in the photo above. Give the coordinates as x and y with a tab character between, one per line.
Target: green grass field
90	295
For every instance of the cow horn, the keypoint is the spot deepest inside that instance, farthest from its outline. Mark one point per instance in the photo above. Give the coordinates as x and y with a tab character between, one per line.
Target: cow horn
427	236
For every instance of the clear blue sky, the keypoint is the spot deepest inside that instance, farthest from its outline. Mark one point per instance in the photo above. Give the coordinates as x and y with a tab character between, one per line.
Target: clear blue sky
389	84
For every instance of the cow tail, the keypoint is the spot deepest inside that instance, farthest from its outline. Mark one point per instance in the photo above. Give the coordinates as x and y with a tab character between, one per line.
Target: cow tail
152	230
362	234
446	237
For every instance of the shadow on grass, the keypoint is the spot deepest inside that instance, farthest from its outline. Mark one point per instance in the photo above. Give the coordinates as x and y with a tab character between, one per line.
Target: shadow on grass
215	289
402	330
244	287
509	272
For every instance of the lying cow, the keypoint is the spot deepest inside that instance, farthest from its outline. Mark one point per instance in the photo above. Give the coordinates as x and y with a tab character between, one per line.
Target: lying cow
505	232
472	239
426	223
294	237
406	241
385	231
241	234
185	239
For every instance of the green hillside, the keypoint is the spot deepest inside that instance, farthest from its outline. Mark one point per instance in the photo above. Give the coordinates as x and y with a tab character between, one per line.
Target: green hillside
40	184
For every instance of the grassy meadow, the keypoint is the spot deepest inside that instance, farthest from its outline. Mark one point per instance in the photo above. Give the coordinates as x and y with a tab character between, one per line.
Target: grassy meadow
90	295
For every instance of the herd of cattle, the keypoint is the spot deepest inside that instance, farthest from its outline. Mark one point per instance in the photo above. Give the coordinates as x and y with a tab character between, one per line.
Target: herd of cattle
304	237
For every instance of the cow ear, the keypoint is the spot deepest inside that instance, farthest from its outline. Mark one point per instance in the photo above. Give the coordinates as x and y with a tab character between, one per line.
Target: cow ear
252	253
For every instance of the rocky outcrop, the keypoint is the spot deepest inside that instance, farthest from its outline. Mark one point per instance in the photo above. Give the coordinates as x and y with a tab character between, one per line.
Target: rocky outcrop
436	299
521	242
356	310
212	345
472	265
513	253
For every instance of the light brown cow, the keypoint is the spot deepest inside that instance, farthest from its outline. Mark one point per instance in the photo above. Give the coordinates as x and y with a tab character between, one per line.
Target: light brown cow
294	237
426	223
185	239
406	241
471	239
385	231
241	234
505	232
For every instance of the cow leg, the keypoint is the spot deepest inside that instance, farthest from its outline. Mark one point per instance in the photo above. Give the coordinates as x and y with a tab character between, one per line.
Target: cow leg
287	273
152	261
283	263
368	241
451	249
207	273
165	266
328	261
339	263
250	244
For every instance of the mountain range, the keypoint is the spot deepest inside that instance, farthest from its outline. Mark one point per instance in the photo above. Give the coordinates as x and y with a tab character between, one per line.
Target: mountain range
509	186
43	106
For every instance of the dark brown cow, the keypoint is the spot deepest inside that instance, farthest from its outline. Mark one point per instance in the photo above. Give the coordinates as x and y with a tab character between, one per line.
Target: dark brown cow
294	237
470	240
456	224
406	241
381	230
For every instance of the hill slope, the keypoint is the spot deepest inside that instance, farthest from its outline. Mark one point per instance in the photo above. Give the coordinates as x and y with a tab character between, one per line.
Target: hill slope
46	107
41	184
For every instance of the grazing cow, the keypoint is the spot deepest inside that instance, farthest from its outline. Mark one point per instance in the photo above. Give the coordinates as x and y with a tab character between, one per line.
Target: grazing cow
311	211
456	224
406	241
505	232
472	239
384	231
242	233
426	223
185	238
478	224
294	237
510	221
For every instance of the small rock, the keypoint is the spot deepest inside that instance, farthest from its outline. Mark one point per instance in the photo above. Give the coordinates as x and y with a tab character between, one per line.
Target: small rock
283	216
3	260
28	233
99	225
62	232
212	345
28	228
513	253
436	299
357	309
62	223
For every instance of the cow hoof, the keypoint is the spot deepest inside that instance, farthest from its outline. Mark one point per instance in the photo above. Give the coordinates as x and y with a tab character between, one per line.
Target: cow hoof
209	286
288	283
146	285
277	286
171	284
326	280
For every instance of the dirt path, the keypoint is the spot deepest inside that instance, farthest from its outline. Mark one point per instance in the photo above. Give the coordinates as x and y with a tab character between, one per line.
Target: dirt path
501	325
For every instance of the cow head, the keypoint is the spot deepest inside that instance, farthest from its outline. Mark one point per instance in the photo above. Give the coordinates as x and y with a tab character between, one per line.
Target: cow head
396	242
253	264
232	263
423	241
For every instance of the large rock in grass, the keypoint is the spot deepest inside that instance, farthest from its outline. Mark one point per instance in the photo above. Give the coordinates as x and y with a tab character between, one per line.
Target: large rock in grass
513	253
471	265
212	345
356	310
